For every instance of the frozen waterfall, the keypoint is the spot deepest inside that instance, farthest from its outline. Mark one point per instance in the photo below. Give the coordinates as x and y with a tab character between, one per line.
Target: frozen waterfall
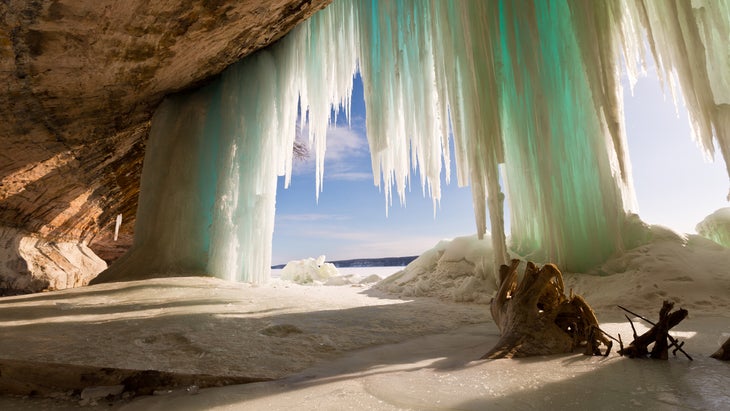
529	91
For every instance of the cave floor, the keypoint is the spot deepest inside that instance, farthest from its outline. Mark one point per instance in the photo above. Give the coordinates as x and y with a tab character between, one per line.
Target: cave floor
193	326
334	347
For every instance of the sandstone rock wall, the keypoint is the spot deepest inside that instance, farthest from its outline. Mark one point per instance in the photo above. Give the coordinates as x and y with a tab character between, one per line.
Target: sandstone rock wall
32	264
79	81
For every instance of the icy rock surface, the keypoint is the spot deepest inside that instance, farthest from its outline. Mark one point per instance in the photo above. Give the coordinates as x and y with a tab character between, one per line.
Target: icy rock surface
716	227
309	271
457	270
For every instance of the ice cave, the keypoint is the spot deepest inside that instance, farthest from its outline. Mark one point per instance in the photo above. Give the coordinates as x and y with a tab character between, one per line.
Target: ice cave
522	98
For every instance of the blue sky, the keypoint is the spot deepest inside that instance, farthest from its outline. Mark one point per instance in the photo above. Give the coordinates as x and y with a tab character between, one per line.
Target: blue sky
675	186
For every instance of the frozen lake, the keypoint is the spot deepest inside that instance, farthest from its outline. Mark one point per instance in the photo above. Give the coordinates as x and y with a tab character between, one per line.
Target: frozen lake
363	272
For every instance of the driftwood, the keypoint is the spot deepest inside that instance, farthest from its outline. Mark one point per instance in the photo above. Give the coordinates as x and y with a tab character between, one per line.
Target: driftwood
657	335
723	353
537	318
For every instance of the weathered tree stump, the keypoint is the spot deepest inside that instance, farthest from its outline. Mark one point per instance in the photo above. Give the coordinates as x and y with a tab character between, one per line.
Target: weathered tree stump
723	353
657	335
536	318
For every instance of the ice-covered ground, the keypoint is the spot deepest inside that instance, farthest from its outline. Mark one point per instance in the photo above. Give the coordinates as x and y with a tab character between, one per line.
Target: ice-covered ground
355	347
439	372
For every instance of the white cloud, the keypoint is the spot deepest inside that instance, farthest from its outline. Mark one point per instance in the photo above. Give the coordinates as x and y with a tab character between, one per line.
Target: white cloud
397	247
349	175
309	217
332	233
344	145
367	244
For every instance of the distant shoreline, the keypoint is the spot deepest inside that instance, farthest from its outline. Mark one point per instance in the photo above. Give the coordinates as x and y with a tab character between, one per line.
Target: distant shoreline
367	262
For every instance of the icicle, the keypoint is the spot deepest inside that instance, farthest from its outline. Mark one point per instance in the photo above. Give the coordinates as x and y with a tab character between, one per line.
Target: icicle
116	226
209	180
689	42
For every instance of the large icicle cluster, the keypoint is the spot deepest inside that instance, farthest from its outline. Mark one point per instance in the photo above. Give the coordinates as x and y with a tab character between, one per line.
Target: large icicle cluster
208	189
690	43
529	89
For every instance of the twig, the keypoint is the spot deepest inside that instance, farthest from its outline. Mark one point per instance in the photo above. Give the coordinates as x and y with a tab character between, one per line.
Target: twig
636	315
671	339
678	347
608	335
620	343
632	327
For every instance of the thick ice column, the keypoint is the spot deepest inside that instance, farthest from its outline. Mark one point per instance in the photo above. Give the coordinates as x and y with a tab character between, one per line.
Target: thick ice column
565	204
176	195
249	151
495	202
208	188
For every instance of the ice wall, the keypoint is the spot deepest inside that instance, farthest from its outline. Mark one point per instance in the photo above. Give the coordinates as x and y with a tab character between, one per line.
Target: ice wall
528	89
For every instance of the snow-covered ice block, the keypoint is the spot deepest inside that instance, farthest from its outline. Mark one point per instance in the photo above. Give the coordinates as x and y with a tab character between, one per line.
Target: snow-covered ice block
309	270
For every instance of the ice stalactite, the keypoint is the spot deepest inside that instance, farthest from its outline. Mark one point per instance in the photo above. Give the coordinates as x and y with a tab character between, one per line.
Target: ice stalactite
512	79
530	91
566	193
535	86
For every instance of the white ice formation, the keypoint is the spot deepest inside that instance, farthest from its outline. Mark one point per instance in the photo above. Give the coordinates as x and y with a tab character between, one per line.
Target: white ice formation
529	90
117	224
716	227
309	271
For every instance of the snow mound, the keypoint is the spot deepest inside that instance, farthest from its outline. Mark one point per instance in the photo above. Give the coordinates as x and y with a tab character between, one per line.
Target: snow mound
309	271
687	269
716	227
458	270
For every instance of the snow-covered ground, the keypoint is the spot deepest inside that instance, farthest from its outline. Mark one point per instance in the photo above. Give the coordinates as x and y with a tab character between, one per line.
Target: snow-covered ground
356	347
